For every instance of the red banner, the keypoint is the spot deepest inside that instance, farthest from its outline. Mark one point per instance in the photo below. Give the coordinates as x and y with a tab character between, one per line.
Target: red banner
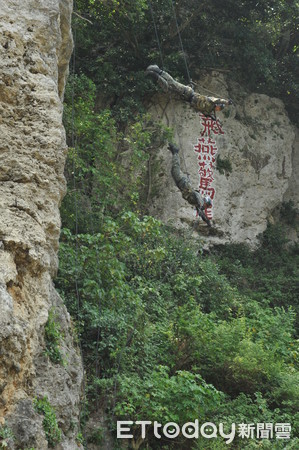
206	150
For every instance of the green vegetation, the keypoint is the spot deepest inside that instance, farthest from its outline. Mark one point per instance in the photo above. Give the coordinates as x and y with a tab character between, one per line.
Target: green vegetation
53	338
51	428
168	334
80	439
96	437
256	43
6	435
223	165
288	213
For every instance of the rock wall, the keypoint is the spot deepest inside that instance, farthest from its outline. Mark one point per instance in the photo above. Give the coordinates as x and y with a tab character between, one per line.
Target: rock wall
35	48
259	142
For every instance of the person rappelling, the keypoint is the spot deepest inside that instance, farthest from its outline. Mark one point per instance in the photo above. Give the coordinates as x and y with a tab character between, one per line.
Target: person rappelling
188	193
200	103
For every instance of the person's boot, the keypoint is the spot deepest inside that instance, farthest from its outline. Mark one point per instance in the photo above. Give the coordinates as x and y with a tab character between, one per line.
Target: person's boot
174	150
154	69
156	73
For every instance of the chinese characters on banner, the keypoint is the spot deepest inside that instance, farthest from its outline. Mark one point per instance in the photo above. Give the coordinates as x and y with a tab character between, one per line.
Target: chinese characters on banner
206	148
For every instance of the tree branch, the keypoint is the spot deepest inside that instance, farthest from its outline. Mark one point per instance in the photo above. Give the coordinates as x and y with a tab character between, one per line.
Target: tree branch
83	18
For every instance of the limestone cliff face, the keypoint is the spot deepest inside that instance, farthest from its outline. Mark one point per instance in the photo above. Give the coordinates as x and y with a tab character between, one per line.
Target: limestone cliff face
35	47
259	141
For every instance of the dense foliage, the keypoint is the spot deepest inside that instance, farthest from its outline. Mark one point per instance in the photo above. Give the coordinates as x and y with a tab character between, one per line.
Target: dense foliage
167	332
255	42
53	338
167	337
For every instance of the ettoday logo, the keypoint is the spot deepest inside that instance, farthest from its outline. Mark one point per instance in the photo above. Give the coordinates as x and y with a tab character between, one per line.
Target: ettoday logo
171	430
208	430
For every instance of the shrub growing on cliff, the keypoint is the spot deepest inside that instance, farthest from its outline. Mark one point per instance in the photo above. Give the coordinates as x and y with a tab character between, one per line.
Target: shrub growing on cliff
148	299
6	437
51	428
106	167
289	213
53	338
269	274
223	165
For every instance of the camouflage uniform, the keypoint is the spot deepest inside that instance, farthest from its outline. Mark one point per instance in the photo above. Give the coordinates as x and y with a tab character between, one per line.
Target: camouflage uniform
184	185
181	180
201	103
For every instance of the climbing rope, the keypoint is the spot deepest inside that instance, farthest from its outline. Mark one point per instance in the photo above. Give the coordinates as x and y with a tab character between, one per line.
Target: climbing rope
186	66
191	83
179	36
75	155
156	33
181	43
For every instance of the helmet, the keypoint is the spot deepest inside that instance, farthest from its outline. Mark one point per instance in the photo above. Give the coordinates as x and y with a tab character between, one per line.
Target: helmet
207	200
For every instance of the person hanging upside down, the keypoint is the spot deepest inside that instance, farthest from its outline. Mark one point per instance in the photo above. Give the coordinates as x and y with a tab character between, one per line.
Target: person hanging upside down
191	195
201	103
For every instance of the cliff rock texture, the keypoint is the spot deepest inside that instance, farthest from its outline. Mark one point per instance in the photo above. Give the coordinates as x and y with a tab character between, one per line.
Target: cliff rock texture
35	48
259	142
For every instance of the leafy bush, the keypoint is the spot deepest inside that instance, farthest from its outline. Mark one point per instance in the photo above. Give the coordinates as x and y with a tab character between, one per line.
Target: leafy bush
147	299
53	338
179	398
269	274
224	165
51	428
106	167
289	213
6	436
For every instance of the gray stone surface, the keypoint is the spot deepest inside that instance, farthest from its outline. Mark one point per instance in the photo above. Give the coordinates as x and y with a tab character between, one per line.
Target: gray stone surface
35	48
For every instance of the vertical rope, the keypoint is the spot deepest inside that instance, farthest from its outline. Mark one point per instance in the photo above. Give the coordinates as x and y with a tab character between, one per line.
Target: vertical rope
181	42
75	154
186	65
74	147
156	33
